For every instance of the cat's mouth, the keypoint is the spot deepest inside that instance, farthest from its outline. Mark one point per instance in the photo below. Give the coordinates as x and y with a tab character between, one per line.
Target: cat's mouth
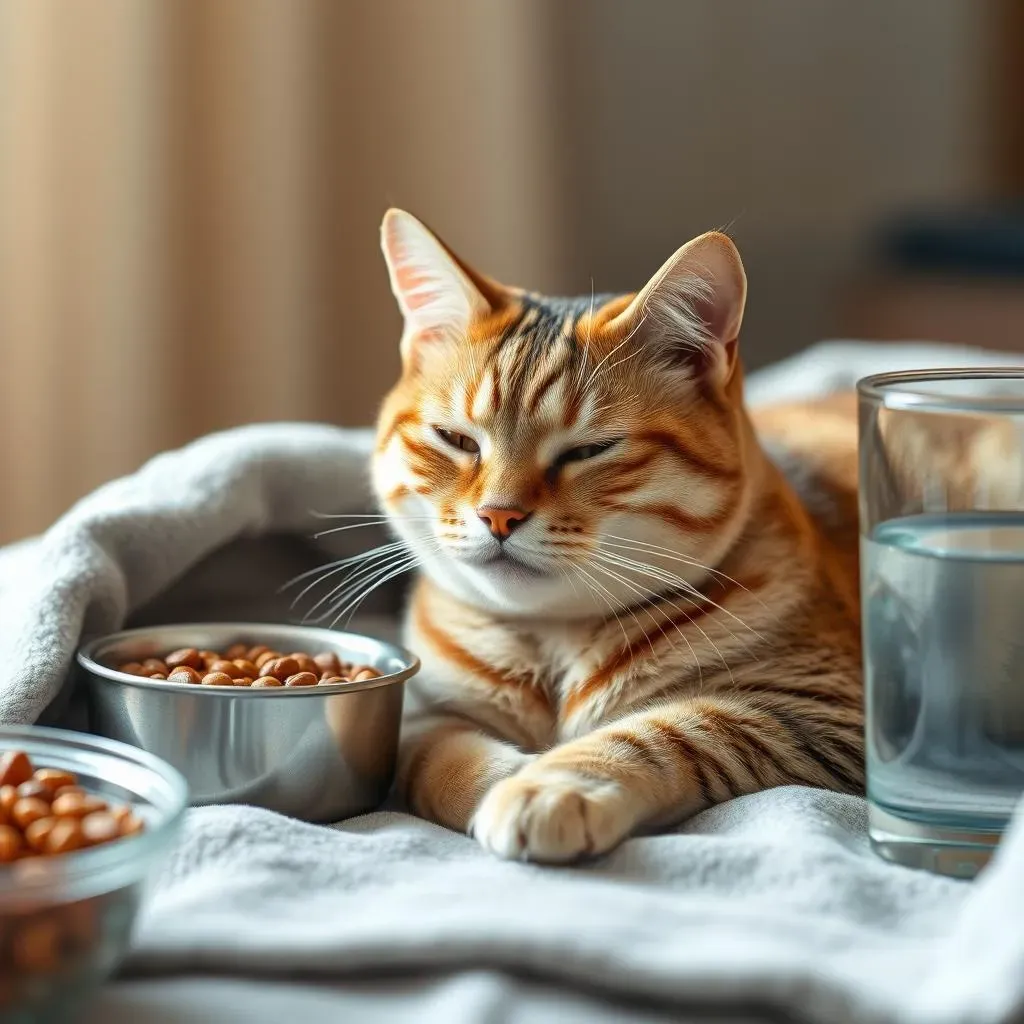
505	561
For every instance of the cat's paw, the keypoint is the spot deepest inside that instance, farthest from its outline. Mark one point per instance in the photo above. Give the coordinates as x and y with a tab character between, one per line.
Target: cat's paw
551	817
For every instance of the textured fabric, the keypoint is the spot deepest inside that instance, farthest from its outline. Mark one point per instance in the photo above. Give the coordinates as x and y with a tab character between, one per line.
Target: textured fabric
772	902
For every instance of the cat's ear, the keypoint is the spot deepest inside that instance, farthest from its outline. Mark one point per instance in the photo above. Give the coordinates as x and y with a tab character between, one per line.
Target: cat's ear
692	309
438	295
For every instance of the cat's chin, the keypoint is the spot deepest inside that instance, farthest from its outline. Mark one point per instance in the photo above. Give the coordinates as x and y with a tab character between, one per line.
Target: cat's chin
506	586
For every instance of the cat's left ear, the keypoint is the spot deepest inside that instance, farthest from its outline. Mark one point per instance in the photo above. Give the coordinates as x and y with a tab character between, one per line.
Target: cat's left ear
439	295
692	309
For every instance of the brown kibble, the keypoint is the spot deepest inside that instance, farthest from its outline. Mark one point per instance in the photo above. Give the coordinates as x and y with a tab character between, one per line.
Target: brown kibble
32	826
133	668
74	805
244	681
305	663
36	834
15	768
36	945
217	679
53	779
261	659
186	657
28	810
131	825
264	681
152	665
331	680
301	679
65	836
235	651
209	657
185	674
10	844
156	675
281	667
229	668
100	827
365	673
247	667
328	662
33	790
254	652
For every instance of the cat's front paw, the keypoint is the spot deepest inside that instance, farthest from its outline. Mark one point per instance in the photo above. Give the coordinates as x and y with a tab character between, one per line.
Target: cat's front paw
551	817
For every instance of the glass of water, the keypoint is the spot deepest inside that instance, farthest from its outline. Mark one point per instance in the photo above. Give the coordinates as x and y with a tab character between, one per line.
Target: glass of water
942	592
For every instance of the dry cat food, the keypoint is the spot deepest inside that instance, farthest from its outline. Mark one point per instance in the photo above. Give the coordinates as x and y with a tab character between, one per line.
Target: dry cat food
44	811
44	941
49	947
241	665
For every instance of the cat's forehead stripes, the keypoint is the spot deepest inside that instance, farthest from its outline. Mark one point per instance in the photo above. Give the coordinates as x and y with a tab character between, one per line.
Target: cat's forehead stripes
536	356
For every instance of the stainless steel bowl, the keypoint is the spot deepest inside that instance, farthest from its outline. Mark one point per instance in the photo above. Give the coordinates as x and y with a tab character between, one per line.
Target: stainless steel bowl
317	753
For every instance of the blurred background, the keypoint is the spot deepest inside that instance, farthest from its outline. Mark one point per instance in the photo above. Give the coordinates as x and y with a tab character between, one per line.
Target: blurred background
190	190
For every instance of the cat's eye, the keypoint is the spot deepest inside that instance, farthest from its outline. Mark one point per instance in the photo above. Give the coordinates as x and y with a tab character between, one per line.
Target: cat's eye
585	451
457	440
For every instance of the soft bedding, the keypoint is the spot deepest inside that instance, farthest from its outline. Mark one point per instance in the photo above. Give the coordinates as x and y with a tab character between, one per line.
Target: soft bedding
769	907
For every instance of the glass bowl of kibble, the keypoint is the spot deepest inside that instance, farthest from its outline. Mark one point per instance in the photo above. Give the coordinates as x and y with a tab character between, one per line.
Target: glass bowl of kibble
295	719
84	822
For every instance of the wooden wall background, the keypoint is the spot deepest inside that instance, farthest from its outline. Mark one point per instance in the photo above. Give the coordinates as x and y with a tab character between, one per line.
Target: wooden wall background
190	189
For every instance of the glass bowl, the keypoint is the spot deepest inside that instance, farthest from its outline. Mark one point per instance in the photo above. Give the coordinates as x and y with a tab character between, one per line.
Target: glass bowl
66	920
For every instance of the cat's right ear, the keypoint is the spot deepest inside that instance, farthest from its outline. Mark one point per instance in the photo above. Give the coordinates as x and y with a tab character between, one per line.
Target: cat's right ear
438	295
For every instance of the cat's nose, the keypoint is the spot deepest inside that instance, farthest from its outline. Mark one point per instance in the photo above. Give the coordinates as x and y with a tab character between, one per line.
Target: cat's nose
502	521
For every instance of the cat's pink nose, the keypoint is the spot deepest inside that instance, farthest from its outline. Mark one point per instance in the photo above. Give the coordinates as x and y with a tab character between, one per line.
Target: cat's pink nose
502	521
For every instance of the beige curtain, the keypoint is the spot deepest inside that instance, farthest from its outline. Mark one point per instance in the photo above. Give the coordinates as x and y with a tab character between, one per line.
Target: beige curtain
190	192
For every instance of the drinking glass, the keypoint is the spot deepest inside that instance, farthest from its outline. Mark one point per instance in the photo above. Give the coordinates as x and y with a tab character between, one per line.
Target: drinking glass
942	598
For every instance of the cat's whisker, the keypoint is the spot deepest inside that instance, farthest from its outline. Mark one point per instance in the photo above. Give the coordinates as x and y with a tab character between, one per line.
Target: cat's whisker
668	579
652	594
560	561
589	582
325	569
370	563
686	590
383	516
643	547
611	604
382	522
309	572
347	591
369	577
353	606
625	340
333	568
590	327
619	362
644	596
689	591
648	593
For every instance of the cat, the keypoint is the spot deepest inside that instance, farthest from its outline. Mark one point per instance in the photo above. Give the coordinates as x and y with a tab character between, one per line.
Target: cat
625	612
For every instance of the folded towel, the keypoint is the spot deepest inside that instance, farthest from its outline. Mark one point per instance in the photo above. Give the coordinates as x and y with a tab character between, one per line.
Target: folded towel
773	900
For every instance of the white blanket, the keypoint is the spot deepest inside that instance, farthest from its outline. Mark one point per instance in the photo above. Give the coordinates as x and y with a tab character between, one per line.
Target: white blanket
771	903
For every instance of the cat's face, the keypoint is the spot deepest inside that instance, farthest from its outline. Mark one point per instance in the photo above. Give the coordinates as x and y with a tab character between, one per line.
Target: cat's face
563	457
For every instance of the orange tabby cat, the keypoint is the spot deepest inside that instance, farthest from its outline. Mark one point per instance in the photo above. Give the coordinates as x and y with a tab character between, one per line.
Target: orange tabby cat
625	613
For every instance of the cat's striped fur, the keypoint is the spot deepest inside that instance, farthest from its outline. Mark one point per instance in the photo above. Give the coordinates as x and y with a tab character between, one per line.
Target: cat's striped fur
668	625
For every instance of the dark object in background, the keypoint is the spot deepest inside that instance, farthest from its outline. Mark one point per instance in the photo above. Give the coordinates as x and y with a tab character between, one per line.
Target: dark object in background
980	242
953	275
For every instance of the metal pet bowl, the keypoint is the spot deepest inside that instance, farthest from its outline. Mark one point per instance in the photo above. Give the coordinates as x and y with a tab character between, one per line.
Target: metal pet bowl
319	753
